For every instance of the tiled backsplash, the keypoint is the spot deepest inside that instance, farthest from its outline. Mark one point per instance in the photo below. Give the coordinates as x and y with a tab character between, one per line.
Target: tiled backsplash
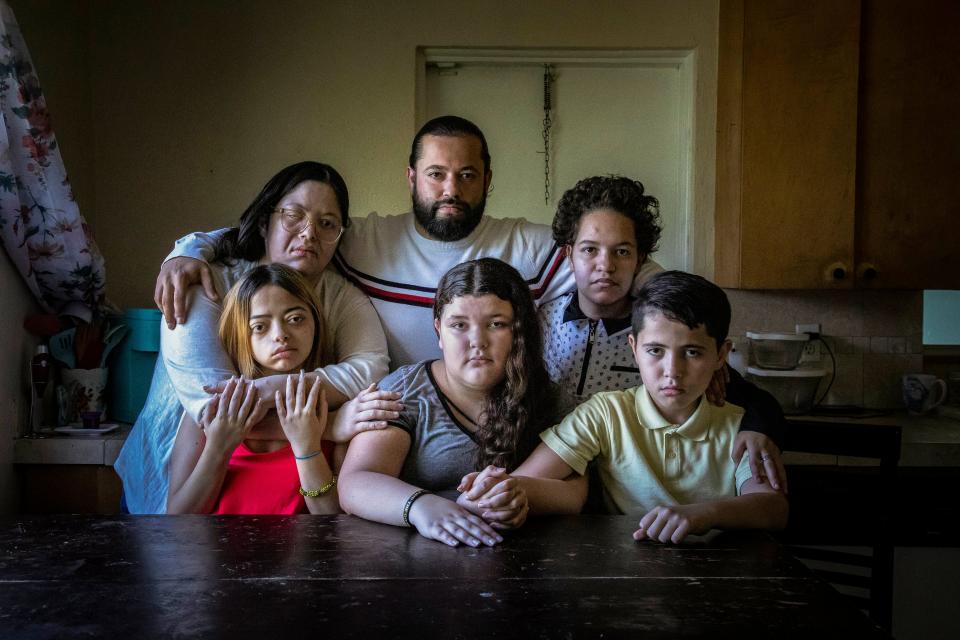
876	336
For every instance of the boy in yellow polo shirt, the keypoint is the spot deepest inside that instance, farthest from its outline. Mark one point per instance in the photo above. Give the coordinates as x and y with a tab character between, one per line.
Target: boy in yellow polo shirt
663	450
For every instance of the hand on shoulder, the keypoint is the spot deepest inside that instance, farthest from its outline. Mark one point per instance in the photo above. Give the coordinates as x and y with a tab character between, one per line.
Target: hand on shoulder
176	277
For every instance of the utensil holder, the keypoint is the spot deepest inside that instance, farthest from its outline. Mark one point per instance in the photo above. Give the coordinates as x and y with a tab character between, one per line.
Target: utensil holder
85	392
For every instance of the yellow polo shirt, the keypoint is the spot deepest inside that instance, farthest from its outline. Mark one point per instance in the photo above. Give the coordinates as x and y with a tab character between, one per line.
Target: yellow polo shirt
643	460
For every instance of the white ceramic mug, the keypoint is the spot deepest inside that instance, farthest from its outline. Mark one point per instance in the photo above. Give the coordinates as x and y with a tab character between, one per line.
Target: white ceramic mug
922	392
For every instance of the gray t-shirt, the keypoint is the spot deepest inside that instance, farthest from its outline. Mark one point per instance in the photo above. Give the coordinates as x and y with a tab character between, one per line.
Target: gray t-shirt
442	451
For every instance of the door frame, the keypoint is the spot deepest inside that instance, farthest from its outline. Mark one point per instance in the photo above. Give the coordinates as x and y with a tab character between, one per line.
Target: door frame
684	60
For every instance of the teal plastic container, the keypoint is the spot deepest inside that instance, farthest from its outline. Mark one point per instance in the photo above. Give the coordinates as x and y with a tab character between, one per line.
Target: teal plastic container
132	362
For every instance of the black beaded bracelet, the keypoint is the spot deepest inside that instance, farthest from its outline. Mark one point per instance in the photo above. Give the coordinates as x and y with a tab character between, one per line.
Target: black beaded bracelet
406	507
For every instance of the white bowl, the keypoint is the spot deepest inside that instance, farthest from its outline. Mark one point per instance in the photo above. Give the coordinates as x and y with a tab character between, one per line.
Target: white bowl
780	351
795	390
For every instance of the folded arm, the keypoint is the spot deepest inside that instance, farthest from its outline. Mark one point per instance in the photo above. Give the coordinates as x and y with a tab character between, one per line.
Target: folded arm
552	486
196	471
758	507
370	488
354	329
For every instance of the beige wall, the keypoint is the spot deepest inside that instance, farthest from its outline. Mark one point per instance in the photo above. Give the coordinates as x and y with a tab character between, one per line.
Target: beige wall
191	106
17	348
875	336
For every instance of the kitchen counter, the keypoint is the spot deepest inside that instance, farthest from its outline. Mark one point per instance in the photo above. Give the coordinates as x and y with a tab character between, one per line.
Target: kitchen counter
56	448
932	440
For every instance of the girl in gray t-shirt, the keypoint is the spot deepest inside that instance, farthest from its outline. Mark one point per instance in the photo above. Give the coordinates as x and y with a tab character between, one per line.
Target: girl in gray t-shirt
479	407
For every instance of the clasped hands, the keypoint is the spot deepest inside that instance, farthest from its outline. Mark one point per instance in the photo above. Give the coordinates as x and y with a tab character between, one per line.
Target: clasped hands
496	496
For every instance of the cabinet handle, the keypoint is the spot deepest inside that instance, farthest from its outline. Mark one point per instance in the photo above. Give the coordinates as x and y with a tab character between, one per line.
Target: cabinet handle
867	271
836	272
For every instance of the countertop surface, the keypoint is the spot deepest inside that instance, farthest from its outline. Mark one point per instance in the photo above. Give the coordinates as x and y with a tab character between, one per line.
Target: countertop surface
931	440
56	448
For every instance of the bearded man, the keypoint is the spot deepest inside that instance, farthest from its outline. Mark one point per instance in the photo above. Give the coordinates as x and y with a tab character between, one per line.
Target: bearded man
398	260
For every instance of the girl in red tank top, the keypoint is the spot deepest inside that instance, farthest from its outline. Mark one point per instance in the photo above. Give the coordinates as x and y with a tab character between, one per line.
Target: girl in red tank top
271	324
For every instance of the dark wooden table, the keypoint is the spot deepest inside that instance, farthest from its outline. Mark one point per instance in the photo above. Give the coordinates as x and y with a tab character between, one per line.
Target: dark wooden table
338	576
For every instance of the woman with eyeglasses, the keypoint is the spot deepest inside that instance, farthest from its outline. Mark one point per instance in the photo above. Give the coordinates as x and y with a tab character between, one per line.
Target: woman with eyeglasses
296	220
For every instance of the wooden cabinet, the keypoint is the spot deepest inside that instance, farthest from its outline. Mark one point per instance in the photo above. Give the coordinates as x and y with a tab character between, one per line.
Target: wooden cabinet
908	148
837	140
69	488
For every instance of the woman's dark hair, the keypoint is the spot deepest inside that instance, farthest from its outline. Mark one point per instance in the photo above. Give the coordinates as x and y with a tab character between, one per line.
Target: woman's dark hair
521	403
620	194
245	242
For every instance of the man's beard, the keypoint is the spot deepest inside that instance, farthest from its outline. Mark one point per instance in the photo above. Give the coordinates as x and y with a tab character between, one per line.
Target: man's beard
452	228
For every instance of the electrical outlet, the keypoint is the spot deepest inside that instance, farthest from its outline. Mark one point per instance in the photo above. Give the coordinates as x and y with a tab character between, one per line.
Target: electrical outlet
808	328
811	352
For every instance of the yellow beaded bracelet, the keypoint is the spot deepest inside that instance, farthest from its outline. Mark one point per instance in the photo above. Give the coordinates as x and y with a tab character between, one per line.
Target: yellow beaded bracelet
316	493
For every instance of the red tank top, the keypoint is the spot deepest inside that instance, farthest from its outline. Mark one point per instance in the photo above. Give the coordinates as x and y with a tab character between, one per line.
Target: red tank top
263	483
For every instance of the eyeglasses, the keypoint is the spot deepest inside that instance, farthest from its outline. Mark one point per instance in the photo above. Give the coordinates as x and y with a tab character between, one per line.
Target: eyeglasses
295	220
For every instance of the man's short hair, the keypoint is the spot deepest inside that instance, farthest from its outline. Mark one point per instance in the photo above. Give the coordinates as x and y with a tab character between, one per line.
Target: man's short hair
623	195
687	298
453	127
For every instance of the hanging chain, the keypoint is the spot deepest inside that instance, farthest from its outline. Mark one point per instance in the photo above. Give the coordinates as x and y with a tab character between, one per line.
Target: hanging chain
547	125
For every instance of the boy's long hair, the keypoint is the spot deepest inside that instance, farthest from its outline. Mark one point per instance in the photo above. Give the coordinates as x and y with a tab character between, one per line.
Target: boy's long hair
245	241
516	408
235	320
623	195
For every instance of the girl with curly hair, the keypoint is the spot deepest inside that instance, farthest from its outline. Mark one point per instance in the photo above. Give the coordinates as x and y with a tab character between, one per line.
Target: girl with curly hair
480	407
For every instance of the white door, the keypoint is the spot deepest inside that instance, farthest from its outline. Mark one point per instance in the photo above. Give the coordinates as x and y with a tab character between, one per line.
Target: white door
629	119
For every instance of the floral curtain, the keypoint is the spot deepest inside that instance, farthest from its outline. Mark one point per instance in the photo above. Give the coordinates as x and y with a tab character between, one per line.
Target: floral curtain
40	224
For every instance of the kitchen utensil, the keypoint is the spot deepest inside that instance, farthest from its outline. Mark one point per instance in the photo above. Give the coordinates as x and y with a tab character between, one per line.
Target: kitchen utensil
42	325
779	351
794	390
111	340
88	345
62	348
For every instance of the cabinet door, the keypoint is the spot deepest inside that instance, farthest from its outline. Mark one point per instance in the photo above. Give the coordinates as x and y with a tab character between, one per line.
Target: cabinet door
787	125
908	209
